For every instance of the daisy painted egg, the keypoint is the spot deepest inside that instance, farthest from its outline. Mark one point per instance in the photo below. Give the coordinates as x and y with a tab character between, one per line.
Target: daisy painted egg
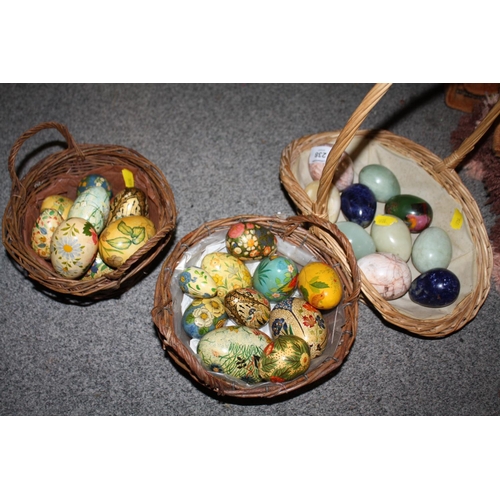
123	237
93	180
295	316
233	351
285	358
197	283
43	229
320	285
275	277
228	272
57	202
203	316
249	241
247	307
73	247
92	205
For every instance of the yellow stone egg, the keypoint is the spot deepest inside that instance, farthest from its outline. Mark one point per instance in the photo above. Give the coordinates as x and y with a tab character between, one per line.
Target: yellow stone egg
57	202
123	237
320	285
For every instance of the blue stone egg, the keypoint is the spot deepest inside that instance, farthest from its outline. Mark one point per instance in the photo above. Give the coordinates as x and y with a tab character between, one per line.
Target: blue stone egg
437	287
358	204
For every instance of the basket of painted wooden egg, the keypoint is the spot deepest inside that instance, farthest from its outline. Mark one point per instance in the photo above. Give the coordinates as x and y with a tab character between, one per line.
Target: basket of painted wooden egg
256	307
87	221
418	235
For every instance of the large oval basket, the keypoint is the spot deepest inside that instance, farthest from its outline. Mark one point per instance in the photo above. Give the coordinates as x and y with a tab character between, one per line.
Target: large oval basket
420	173
60	173
296	241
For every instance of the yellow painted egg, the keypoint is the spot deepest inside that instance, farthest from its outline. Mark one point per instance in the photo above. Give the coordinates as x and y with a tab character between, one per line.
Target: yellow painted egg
123	237
43	229
228	272
73	247
57	202
320	285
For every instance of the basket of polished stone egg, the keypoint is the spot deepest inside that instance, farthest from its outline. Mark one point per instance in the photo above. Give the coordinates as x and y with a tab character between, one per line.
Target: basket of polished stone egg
417	233
256	307
88	220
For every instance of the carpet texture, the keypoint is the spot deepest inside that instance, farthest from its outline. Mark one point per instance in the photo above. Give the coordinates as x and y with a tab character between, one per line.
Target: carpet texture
219	147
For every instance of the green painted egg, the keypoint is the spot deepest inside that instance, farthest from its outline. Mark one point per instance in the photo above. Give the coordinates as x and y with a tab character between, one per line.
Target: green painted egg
249	241
203	316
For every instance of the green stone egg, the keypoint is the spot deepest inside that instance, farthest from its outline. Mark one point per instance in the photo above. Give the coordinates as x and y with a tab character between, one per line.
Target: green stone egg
391	235
431	249
383	183
360	240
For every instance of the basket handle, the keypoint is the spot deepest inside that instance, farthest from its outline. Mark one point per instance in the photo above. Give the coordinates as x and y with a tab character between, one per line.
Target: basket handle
452	161
346	135
31	132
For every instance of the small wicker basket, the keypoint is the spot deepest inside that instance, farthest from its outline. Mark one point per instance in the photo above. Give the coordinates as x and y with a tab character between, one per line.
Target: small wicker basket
294	237
421	173
60	173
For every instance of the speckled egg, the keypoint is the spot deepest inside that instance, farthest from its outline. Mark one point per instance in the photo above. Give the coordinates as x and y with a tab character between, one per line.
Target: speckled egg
203	316
320	285
247	307
43	229
295	316
387	273
92	205
381	181
249	241
415	212
359	238
233	351
285	358
432	248
275	277
73	247
358	204
435	288
123	237
57	202
93	180
197	283
227	271
391	235
97	269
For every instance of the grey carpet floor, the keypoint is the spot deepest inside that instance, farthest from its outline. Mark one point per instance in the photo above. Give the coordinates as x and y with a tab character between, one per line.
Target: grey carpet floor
219	147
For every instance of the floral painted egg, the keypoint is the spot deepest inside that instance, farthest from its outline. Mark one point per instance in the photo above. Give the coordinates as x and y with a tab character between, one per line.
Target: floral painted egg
43	229
435	288
285	358
197	283
203	316
381	181
358	204
247	307
249	241
275	277
360	240
123	237
320	285
92	205
227	271
415	212
73	247
233	351
295	316
93	180
387	273
58	202
333	204
97	269
432	248
344	172
391	235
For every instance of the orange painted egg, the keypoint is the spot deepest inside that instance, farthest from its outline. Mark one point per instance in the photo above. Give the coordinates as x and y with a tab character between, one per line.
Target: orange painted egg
320	285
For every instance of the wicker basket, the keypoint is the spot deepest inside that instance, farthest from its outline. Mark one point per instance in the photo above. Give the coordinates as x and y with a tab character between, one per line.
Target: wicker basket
294	237
421	173
60	173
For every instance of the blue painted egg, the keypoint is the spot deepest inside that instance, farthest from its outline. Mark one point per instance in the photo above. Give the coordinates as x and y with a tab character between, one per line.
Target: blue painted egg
203	316
275	277
358	204
437	287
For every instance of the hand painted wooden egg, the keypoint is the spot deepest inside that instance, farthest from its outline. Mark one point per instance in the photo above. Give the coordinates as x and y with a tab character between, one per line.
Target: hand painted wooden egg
415	212
247	307
358	204
203	316
295	316
57	202
73	247
249	241
276	277
130	201
92	205
285	358
227	271
381	181
197	283
435	288
43	229
391	235
320	285
123	237
234	351
93	180
97	269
